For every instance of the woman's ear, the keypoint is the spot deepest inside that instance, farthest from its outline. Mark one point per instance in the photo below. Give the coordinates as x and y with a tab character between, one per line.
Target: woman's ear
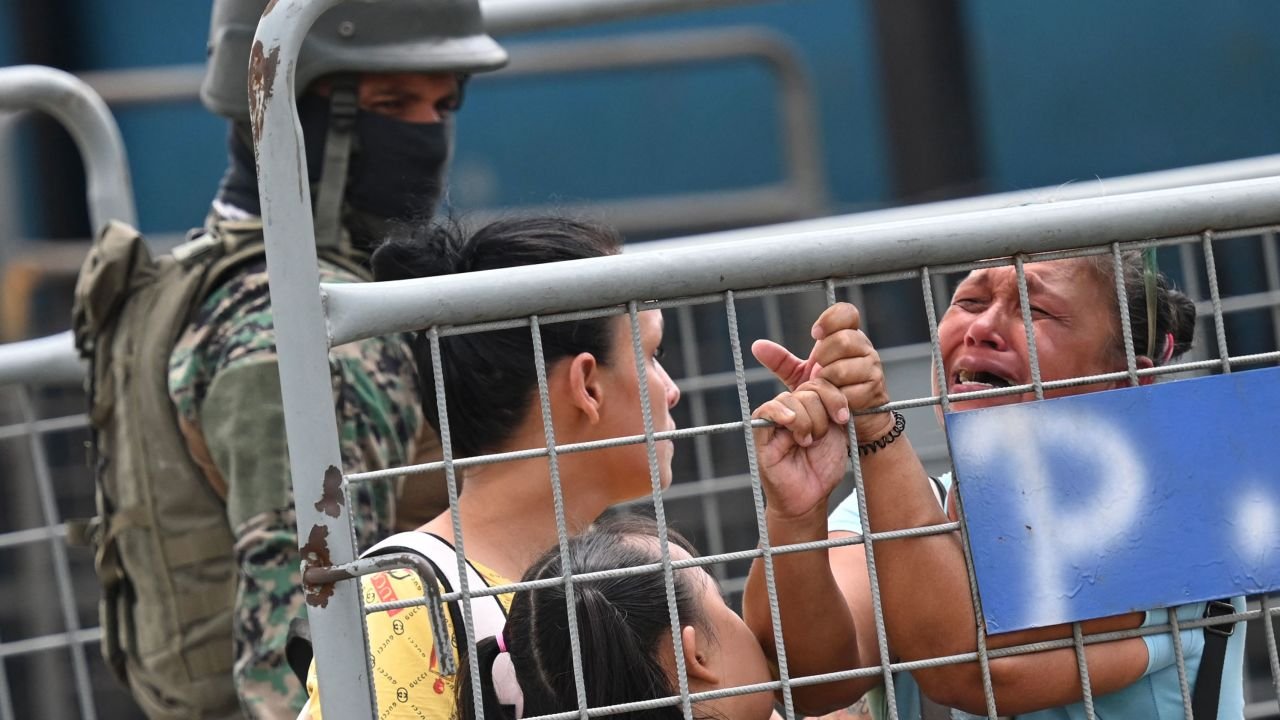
1143	363
697	660
586	386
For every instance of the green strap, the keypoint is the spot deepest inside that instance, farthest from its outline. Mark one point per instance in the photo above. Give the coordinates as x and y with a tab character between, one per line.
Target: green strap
337	155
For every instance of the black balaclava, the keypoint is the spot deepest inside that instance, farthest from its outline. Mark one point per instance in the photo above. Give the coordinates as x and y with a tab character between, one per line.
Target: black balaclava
396	171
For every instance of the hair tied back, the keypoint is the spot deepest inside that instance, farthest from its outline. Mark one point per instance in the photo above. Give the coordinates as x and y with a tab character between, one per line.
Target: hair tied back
505	685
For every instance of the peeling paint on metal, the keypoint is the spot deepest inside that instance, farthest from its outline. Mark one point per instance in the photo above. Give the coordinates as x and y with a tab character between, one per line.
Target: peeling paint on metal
331	498
316	553
262	78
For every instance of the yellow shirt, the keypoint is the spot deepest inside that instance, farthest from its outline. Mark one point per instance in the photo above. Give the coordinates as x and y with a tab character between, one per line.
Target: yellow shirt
406	679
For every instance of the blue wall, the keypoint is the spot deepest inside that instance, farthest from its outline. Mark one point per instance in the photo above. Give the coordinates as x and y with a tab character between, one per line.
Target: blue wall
662	131
1070	90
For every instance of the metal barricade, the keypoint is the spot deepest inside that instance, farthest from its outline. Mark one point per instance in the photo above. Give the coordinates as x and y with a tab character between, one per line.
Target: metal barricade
734	276
29	369
830	262
82	111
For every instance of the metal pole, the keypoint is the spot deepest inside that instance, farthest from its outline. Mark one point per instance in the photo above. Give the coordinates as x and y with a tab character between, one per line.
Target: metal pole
74	104
324	519
1247	169
48	360
504	17
359	311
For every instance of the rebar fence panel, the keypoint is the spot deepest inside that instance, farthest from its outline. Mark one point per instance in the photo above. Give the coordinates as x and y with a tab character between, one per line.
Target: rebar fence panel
699	286
712	499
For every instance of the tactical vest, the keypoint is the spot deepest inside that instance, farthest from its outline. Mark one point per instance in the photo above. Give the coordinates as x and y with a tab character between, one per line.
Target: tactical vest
162	546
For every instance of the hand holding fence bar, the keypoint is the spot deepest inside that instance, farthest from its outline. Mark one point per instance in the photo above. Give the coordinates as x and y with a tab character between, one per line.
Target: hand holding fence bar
800	466
843	356
803	454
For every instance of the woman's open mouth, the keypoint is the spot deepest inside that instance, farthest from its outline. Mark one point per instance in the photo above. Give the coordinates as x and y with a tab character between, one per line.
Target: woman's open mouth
972	381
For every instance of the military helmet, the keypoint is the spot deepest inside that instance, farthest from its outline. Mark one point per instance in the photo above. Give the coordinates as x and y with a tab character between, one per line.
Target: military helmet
353	36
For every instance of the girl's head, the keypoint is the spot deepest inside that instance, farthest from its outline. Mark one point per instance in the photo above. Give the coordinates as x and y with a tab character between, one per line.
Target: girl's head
624	630
490	380
1076	317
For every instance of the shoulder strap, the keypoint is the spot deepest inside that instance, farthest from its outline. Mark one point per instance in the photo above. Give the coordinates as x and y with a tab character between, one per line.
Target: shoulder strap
1204	698
487	612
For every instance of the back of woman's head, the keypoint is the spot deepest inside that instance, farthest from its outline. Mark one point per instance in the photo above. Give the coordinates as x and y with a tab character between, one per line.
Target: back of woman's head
621	625
489	378
1175	313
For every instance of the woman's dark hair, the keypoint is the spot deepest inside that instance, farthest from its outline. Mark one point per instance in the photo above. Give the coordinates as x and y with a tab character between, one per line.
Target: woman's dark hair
1175	312
489	378
621	621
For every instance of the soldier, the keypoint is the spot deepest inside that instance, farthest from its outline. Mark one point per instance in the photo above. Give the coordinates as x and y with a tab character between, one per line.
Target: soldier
196	542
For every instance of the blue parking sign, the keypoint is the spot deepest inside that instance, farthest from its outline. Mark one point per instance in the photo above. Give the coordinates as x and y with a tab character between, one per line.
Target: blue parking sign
1110	502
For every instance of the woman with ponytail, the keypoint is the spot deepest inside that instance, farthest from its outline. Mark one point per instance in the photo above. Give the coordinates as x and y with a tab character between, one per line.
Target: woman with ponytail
624	633
491	388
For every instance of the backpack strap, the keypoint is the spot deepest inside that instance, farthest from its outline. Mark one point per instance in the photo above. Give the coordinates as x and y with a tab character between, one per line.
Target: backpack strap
487	612
1204	698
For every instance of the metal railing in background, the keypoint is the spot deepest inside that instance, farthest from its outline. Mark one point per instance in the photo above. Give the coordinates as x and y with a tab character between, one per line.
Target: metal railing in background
504	17
85	115
313	317
799	193
52	361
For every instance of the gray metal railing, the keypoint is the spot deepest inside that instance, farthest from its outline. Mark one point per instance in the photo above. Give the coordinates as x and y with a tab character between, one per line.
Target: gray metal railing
84	114
799	193
358	311
53	361
312	317
31	365
517	16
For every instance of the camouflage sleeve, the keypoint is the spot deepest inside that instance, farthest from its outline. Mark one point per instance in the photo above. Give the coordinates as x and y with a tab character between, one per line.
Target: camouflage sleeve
242	419
224	379
268	596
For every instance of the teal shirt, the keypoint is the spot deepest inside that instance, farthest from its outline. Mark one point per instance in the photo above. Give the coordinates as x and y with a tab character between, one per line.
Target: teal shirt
1156	695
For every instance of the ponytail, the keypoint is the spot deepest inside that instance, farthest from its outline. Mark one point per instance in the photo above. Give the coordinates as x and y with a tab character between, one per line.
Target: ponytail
621	624
1175	321
487	652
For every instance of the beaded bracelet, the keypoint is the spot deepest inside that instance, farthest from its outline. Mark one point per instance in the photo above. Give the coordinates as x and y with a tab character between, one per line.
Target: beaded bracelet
899	425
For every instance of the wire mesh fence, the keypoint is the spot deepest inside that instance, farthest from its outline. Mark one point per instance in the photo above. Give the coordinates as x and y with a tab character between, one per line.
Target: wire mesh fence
714	498
767	297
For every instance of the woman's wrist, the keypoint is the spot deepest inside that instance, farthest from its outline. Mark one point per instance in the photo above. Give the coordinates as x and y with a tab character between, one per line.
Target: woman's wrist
870	428
871	444
802	527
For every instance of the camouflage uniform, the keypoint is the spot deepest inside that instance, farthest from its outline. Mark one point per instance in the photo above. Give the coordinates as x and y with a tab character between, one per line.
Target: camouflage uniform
231	340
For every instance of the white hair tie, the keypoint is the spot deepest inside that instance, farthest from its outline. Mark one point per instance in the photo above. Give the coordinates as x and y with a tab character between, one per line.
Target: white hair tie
505	684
